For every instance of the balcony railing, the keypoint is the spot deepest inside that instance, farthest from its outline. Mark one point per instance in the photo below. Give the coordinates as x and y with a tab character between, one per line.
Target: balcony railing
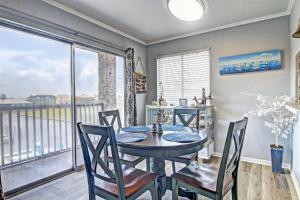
30	132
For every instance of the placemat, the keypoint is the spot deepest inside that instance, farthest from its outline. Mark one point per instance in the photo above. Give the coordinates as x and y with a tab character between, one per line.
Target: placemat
181	137
173	127
136	129
130	137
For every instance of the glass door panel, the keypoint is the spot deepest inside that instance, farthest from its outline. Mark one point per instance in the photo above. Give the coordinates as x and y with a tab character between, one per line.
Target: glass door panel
35	109
99	85
87	103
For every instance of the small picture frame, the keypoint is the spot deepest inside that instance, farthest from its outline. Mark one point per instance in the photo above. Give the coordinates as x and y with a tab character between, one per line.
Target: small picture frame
183	101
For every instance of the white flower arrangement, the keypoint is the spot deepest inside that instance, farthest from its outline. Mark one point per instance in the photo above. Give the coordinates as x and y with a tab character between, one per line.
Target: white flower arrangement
275	114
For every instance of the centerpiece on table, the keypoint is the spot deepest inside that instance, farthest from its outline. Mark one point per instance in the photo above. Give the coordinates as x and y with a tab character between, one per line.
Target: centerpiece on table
276	116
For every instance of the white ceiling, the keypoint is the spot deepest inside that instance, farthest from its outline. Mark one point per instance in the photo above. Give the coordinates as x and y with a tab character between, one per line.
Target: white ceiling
149	21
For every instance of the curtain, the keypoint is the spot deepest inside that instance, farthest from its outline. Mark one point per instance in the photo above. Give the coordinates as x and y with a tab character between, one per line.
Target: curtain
130	101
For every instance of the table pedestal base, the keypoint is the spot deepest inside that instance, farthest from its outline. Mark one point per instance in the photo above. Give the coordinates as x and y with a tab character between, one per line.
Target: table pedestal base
164	182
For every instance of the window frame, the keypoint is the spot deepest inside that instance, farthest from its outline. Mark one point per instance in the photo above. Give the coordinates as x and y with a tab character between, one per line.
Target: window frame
183	53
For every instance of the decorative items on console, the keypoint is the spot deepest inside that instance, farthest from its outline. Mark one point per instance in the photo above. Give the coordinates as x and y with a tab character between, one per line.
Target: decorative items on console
183	101
203	100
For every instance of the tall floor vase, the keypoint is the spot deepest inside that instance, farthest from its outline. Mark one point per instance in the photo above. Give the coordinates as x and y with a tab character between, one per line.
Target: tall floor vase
277	157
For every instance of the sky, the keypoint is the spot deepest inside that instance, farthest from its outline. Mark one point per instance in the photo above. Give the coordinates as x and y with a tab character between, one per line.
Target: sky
32	64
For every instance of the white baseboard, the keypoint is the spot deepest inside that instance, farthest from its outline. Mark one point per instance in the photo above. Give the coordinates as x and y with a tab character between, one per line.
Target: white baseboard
296	183
257	161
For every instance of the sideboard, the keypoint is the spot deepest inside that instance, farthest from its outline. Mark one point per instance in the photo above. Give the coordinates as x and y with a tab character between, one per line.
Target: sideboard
164	115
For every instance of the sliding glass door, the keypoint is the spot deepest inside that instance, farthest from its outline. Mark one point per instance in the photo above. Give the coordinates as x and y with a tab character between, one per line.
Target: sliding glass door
99	85
44	92
35	108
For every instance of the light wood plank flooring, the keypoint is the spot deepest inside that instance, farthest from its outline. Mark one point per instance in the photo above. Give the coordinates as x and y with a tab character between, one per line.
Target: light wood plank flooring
255	182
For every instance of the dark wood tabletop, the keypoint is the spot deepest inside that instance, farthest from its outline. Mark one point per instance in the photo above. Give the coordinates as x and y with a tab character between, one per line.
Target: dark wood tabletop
156	146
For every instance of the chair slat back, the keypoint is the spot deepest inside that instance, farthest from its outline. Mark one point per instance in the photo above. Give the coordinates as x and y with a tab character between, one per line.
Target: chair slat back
230	161
115	118
186	116
92	154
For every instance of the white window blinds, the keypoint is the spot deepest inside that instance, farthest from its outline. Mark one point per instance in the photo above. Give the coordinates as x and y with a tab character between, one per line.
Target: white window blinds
183	76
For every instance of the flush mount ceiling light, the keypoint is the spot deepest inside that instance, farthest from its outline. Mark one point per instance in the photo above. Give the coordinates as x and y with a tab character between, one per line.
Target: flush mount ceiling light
187	10
297	33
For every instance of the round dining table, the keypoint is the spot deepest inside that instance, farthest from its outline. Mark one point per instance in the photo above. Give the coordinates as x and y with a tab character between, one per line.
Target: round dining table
159	150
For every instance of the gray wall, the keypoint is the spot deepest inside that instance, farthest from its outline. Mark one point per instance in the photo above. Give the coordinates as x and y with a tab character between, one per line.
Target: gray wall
230	103
295	49
47	12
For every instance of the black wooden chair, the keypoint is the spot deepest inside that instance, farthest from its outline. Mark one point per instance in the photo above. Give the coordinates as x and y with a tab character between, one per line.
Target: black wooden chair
1	190
186	117
115	118
129	160
208	180
121	183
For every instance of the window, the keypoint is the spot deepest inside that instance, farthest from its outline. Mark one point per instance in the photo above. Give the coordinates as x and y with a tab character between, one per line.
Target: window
183	76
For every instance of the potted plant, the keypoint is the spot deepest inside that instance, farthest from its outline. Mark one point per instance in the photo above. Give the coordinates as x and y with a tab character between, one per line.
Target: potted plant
276	116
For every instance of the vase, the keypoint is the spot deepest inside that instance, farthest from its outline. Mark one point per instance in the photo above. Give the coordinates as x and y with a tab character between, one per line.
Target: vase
276	157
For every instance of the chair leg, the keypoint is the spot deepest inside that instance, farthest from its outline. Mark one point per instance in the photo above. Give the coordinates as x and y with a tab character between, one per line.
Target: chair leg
92	196
154	191
148	164
174	189
219	197
234	191
1	189
173	167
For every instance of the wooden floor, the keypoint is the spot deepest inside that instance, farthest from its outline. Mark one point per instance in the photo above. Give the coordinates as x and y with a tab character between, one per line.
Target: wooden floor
255	182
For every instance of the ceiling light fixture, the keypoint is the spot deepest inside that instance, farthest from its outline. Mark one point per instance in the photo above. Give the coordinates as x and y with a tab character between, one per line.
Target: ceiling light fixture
187	10
297	33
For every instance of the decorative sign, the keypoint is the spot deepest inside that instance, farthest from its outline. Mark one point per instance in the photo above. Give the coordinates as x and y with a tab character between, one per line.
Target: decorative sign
253	62
140	83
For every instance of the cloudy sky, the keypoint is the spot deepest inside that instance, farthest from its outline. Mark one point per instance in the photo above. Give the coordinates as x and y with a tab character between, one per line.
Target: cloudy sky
34	65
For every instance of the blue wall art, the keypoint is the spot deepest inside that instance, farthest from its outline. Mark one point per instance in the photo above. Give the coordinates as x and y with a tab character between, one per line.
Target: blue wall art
252	62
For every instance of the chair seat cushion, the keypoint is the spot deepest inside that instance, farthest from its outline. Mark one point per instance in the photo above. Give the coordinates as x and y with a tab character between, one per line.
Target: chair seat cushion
201	176
134	180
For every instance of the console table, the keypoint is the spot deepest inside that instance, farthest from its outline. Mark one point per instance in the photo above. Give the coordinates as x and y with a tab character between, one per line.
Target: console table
164	115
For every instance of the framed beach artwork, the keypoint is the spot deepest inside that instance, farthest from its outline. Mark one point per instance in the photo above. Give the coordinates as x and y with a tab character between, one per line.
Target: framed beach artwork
252	62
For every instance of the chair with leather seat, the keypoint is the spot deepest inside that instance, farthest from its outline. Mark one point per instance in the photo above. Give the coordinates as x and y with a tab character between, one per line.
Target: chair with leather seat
211	181
128	160
123	182
186	117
